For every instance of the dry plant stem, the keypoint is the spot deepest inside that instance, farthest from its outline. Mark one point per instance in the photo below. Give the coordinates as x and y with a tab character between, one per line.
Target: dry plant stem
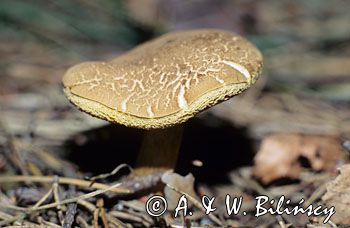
42	200
102	212
181	226
143	216
66	201
57	200
91	207
159	150
196	203
130	217
95	217
116	222
87	205
41	221
316	194
104	217
81	222
7	219
4	216
62	180
281	222
114	171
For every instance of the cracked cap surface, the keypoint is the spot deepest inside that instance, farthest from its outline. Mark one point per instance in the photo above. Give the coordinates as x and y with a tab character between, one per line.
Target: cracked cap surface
167	80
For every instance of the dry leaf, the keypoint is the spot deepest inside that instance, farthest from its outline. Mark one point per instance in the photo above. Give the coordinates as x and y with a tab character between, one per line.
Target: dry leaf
285	155
184	184
337	195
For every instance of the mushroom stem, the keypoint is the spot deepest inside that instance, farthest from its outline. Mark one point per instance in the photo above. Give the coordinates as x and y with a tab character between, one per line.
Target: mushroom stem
159	149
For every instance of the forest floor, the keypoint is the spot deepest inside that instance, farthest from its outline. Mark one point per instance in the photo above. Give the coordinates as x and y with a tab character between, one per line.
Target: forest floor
287	136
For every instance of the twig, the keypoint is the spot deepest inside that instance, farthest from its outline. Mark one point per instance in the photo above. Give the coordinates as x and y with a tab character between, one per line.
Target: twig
87	205
129	217
332	224
10	219
102	212
80	221
316	194
246	182
139	183
57	199
71	210
196	203
181	226
62	180
105	175
42	200
46	223
116	222
95	217
281	222
72	200
11	151
26	226
143	216
95	212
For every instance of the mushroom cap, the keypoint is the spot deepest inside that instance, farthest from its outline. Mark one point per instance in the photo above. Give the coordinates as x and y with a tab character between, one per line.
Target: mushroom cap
165	81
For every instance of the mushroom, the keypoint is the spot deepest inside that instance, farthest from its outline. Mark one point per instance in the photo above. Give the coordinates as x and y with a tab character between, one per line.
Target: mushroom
162	83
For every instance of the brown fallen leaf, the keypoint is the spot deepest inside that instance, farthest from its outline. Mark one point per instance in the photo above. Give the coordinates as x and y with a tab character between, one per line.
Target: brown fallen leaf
337	195
182	183
286	155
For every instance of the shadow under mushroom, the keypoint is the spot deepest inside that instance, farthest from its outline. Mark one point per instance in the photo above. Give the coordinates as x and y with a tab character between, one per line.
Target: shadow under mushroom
221	148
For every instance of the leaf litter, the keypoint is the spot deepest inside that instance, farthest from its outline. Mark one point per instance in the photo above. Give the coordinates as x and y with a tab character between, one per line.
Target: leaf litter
299	124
